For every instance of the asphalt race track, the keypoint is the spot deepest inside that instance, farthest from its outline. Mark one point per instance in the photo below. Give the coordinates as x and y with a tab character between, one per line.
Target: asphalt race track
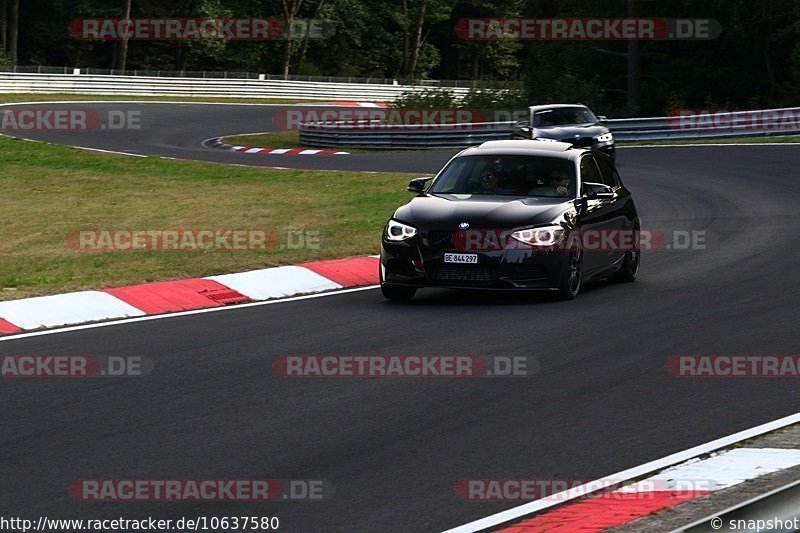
178	130
395	449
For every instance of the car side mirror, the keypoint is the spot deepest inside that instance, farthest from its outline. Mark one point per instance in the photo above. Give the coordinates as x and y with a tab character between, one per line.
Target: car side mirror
602	119
418	184
597	191
523	129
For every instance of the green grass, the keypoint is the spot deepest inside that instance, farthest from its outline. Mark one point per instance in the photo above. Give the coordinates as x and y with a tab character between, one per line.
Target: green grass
724	140
291	139
8	98
49	191
278	139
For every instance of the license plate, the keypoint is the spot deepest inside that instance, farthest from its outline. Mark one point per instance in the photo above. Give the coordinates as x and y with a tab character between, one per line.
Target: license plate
461	258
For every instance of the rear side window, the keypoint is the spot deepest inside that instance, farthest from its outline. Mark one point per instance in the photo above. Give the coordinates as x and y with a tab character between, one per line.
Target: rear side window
607	173
589	170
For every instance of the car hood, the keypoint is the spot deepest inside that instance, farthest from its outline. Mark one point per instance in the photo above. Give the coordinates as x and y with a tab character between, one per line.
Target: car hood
480	212
564	132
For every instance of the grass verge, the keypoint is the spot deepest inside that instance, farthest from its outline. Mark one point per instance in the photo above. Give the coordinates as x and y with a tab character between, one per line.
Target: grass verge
50	191
291	139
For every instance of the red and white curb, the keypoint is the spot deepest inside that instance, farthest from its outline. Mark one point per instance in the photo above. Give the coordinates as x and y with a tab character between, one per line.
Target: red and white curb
285	151
162	297
675	485
218	144
647	488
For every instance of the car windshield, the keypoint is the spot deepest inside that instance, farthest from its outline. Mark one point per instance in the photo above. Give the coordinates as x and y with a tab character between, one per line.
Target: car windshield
562	116
507	175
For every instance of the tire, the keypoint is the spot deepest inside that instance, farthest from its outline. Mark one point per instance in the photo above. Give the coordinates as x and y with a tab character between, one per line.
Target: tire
398	294
630	265
573	275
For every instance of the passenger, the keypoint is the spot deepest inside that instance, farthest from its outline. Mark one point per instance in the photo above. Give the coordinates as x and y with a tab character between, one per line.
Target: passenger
558	187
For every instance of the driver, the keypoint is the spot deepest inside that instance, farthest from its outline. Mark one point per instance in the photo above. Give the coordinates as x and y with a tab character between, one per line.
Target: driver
490	180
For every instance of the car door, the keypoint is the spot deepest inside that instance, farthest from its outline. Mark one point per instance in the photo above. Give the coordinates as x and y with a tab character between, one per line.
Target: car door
617	212
597	219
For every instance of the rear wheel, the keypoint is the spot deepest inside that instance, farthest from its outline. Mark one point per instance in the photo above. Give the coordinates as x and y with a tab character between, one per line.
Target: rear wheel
571	278
398	294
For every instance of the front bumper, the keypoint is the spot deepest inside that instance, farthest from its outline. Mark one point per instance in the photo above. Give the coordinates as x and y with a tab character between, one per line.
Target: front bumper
414	263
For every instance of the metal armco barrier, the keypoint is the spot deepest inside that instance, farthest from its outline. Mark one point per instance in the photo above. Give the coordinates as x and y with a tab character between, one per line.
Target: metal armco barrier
364	135
183	86
784	121
756	123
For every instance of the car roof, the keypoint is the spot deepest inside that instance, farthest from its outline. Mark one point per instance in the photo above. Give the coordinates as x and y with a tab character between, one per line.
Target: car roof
536	108
525	147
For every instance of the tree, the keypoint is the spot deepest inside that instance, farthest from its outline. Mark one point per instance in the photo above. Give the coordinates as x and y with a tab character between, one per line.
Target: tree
122	57
13	32
290	10
301	56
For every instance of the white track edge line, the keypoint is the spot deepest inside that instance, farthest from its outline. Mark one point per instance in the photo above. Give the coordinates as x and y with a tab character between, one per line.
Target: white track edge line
16	336
625	475
108	151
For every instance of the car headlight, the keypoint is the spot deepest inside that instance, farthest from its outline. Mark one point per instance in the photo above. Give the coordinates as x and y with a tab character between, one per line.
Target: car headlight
606	137
397	231
545	236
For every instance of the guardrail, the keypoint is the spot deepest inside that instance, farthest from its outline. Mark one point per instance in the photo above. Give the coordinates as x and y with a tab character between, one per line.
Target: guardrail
756	123
262	87
781	504
365	135
784	121
228	74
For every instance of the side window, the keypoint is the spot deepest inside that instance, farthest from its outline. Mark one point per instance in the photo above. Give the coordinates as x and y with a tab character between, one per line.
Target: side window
589	171
607	172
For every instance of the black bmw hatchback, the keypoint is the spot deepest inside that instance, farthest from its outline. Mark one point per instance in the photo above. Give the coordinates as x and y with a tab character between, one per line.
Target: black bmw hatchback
519	215
570	123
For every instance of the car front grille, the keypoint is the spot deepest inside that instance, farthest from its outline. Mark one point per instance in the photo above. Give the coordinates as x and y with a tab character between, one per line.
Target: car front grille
440	239
580	142
463	273
528	272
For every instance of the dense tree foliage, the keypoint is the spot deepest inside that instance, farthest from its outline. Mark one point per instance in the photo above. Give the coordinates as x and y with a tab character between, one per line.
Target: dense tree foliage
755	62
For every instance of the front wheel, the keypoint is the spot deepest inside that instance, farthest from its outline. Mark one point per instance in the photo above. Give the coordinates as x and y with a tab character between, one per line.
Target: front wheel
572	276
398	294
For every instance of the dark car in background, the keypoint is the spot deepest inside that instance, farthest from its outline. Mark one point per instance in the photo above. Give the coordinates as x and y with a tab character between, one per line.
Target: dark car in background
569	123
512	215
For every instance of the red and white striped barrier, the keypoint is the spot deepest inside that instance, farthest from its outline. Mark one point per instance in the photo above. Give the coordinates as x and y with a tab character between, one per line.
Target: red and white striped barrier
184	295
